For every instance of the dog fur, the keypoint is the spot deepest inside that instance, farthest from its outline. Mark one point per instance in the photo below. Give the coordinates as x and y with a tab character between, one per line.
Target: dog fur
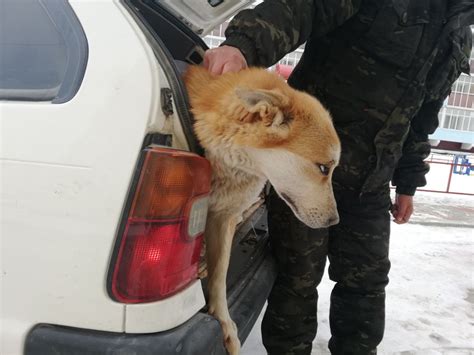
255	128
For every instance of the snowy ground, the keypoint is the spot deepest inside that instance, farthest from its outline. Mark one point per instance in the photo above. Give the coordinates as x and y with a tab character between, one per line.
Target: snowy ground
430	298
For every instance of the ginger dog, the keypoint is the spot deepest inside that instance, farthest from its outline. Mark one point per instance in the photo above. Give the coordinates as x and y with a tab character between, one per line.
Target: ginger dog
255	128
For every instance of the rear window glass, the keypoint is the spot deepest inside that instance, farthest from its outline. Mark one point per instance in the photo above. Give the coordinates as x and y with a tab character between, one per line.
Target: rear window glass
43	51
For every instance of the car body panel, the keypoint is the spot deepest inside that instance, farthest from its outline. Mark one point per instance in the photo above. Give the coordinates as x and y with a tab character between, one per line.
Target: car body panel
66	171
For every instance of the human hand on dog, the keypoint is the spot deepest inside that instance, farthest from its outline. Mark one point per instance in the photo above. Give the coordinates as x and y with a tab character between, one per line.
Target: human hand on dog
224	59
402	209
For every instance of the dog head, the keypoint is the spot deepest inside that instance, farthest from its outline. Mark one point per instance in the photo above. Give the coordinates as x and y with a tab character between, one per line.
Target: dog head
287	134
294	144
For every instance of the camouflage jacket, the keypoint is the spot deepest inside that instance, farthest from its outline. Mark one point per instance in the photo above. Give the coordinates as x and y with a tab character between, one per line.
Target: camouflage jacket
394	60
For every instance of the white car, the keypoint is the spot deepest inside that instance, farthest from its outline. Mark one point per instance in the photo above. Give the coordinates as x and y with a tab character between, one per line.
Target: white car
103	184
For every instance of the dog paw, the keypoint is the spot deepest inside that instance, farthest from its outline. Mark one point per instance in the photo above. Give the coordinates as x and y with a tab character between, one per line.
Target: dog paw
229	329
232	345
231	338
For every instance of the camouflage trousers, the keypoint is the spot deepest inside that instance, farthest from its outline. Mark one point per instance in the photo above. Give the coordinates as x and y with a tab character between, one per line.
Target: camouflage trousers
357	249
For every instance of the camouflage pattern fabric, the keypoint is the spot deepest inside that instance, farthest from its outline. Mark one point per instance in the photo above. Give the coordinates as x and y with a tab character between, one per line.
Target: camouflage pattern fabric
358	253
383	69
289	325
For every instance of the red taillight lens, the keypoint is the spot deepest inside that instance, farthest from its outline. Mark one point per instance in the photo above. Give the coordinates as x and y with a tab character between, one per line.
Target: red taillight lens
159	250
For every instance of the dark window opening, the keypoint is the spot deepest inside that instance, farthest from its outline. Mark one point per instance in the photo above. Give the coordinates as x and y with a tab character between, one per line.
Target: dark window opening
43	51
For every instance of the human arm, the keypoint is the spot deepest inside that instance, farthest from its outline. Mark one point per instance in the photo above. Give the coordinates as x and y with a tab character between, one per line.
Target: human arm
265	34
411	170
272	29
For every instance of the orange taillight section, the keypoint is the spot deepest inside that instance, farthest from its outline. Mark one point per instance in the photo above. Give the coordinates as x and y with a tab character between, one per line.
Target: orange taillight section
167	182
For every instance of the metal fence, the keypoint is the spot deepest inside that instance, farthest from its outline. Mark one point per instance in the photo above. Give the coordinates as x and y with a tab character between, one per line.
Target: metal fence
450	174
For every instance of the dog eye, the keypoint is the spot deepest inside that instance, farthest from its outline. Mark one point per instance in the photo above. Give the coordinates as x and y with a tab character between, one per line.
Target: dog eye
324	169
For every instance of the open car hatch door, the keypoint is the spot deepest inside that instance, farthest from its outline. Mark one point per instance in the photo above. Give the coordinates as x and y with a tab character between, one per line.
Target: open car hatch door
202	16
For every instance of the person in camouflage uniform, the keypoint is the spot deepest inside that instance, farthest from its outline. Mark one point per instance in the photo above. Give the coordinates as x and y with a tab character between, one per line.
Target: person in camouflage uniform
383	69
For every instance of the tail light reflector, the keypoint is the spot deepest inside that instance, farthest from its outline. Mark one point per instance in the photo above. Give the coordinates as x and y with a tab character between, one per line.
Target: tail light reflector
159	249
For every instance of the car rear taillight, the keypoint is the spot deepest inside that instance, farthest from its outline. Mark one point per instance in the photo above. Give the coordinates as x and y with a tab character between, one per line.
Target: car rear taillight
159	249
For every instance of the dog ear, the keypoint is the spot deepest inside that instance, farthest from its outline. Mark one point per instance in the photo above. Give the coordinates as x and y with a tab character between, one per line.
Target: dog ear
264	105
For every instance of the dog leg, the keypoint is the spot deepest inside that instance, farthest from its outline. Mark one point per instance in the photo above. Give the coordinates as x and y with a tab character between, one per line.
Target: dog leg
220	230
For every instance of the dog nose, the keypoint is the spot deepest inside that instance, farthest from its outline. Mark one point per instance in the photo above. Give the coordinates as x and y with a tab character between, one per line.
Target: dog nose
333	220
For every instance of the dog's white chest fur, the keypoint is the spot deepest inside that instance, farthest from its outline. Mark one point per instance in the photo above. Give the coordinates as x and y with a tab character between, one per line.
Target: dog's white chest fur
236	181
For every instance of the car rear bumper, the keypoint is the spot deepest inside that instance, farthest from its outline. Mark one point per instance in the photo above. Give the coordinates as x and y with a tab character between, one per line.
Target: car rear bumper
199	335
